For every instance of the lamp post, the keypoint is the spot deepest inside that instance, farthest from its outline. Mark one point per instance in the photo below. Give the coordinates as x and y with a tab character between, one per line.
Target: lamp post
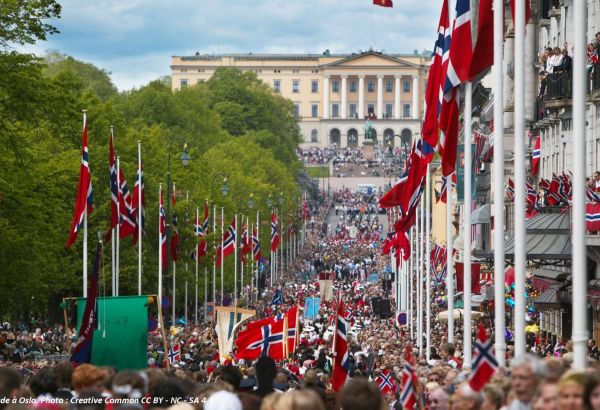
185	160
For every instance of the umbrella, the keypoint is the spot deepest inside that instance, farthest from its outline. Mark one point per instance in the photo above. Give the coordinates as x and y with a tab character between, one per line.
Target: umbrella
457	314
532	329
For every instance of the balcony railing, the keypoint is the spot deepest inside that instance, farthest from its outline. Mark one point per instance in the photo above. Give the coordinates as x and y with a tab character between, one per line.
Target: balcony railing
596	77
559	86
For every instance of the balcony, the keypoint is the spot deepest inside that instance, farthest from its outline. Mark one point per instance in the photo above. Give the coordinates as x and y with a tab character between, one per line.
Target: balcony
595	84
559	90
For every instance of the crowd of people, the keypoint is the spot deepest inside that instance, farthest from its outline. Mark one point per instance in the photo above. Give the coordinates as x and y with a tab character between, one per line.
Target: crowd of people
377	347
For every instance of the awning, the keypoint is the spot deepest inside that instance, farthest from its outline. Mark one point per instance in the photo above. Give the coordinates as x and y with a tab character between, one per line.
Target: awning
551	274
481	215
547	239
550	298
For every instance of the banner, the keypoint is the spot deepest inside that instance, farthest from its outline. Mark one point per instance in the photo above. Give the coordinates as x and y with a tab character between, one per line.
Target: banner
121	339
311	308
460	172
228	320
475	274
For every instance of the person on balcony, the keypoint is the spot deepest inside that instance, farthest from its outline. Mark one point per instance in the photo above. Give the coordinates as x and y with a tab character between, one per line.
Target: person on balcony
555	60
591	57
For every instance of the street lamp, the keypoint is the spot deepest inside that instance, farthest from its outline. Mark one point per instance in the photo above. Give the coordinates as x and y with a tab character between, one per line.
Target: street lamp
224	188
251	201
270	201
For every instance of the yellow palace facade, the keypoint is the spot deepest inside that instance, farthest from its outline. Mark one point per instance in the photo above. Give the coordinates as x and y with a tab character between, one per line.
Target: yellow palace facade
333	95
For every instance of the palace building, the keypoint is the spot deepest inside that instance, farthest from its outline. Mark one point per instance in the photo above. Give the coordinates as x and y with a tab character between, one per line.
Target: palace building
333	94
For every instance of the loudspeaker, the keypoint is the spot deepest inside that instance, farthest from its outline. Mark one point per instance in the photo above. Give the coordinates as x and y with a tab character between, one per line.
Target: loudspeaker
385	308
376	305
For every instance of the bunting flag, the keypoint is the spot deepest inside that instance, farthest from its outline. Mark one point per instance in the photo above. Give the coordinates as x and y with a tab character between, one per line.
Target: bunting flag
139	215
255	246
175	240
85	196
274	233
81	351
383	3
114	201
435	79
485	363
340	348
228	243
535	156
162	226
408	394
483	53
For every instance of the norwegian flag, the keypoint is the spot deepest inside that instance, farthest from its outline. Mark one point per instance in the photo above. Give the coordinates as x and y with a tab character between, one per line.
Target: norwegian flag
408	395
434	258
566	185
435	79
175	353
138	189
201	231
340	347
553	196
227	246
258	341
175	241
291	315
394	196
385	382
85	194
480	140
444	188
535	156
591	195
114	201
592	217
162	226
483	53
383	3
387	243
532	196
421	156
274	233
510	190
255	246
544	184
485	363
127	225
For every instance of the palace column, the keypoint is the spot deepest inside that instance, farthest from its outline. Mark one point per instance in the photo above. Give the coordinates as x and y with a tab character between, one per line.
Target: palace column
415	96
379	96
397	102
361	96
344	107
326	98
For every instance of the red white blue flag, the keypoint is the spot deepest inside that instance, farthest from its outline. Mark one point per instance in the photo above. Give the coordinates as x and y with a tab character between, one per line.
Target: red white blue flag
227	246
274	233
485	363
386	383
408	395
114	195
139	215
162	226
592	217
340	348
535	157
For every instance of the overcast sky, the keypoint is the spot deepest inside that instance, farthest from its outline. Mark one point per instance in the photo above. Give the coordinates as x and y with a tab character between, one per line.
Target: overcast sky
134	39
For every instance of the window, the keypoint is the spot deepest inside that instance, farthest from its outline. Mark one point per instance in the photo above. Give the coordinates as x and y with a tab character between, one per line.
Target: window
388	110
371	108
314	136
314	110
335	86
352	110
183	83
295	86
389	86
371	86
297	110
406	110
352	86
335	110
406	86
314	86
277	85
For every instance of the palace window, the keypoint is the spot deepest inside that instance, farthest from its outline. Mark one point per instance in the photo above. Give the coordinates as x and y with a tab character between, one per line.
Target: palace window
389	86
314	86
314	110
335	86
277	85
388	110
406	86
183	83
352	86
352	110
406	110
295	86
297	110
371	86
335	110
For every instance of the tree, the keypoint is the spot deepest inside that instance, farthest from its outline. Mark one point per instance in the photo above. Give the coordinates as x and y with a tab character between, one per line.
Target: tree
22	21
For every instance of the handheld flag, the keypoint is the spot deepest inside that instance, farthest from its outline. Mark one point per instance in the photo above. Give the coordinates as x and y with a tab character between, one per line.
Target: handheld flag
408	395
385	382
485	363
340	347
174	353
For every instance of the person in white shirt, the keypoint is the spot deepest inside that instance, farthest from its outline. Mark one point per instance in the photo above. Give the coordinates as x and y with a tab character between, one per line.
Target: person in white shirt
555	60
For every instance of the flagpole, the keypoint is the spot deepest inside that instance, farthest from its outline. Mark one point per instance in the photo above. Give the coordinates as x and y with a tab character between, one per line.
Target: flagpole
580	334
257	262
214	276
242	258
450	259
421	262
112	261
222	261
118	235
410	283
85	229
160	255
196	272
174	289
205	294
235	256
519	169
140	218
428	262
185	297
500	318
467	227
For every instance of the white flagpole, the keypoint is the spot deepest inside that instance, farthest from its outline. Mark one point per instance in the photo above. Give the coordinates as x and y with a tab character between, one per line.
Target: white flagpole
214	275
519	167
196	272
160	255
112	248
242	259
222	261
421	261
411	275
450	259
140	218
235	256
85	231
258	237
174	289
499	314
580	334
118	234
427	261
467	228
205	294
185	296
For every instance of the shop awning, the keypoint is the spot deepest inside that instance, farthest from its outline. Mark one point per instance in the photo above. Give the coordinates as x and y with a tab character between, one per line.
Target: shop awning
550	298
481	215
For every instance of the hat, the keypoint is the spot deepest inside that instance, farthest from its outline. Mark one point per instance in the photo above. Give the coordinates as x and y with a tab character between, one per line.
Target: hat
223	400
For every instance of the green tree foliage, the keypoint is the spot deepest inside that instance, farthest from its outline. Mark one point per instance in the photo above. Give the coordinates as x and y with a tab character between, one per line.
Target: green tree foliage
233	125
22	21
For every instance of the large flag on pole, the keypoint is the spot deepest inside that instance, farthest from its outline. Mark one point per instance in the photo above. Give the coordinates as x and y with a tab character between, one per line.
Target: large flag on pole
228	243
81	351
114	195
127	225
483	54
162	226
535	157
383	3
85	198
201	231
175	240
274	233
138	214
340	348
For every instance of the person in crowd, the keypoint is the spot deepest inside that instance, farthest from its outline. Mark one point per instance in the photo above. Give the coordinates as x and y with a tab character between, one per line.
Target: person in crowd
526	372
572	387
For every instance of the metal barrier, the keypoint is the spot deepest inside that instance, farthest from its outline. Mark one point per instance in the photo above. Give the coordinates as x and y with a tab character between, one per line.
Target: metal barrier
51	357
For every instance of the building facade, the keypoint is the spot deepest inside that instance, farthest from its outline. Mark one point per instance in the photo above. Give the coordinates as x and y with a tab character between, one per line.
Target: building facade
333	95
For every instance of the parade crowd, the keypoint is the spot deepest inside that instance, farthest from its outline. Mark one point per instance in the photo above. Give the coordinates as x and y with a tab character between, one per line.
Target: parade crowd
30	365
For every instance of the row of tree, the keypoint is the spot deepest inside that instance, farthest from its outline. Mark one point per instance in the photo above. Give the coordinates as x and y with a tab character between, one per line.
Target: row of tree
232	124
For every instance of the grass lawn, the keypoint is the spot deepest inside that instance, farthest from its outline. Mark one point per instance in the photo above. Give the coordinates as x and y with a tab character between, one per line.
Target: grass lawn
317	172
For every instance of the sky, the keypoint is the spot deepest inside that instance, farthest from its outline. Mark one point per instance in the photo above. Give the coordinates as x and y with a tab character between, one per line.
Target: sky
134	39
